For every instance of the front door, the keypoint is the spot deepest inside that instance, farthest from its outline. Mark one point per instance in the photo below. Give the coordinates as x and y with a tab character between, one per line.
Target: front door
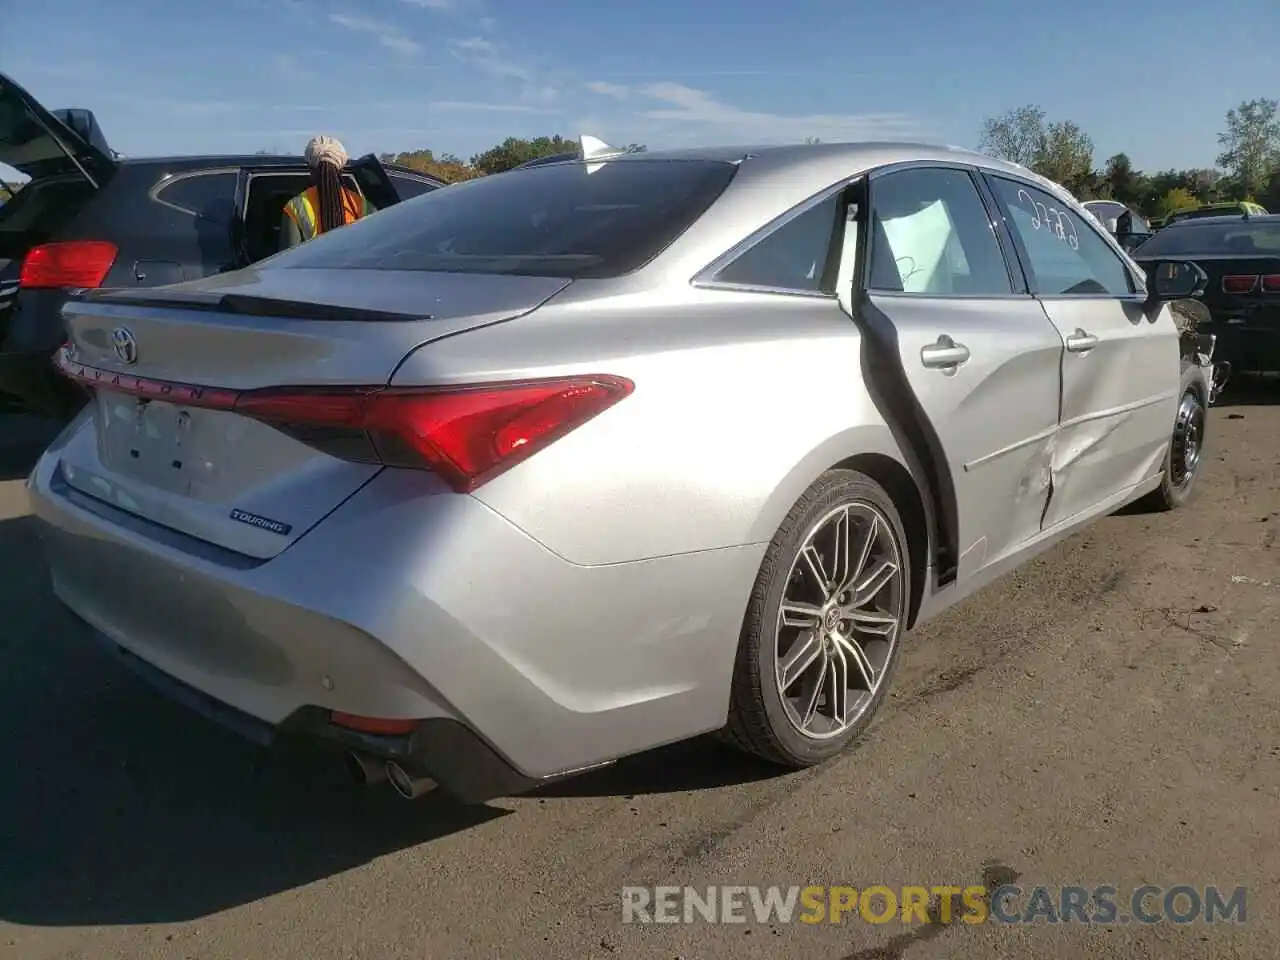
1118	407
979	359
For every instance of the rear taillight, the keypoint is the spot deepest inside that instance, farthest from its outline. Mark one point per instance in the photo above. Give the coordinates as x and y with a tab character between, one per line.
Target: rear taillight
70	264
1271	283
466	435
1239	283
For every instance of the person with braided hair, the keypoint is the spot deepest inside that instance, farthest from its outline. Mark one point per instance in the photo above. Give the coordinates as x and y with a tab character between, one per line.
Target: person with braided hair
326	204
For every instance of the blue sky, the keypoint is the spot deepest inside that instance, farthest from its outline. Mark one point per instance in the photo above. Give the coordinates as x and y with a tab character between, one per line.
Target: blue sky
459	75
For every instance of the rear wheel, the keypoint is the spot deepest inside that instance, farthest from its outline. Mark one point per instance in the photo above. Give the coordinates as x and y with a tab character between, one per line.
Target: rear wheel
821	637
1186	447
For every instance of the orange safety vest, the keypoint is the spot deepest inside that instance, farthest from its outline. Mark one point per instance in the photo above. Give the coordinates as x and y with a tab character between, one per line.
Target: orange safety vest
302	210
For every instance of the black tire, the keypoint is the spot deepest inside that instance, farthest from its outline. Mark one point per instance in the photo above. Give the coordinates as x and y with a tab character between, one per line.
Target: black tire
759	722
1189	428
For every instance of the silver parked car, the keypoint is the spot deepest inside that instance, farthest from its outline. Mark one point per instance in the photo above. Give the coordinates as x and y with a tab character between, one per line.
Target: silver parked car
551	467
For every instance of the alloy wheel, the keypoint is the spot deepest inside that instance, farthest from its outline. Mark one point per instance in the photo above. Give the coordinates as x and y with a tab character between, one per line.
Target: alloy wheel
839	620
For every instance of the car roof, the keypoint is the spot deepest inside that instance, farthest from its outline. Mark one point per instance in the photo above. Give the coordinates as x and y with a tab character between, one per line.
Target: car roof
771	180
1224	218
816	163
188	162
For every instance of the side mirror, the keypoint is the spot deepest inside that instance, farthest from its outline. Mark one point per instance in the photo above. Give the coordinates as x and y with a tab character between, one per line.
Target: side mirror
1175	280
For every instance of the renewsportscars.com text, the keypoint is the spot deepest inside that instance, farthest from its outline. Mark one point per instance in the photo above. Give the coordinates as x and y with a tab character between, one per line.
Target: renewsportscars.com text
1010	904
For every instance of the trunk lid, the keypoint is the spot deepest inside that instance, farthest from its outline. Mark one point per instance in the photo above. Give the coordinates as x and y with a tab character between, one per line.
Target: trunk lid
39	144
222	477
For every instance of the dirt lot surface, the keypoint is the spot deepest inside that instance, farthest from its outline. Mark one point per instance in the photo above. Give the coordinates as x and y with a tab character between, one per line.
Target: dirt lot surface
1107	715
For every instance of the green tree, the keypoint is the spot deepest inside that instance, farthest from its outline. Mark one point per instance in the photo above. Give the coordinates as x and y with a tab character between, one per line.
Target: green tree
446	167
1251	144
1060	151
1123	182
513	151
1066	156
1178	198
1017	135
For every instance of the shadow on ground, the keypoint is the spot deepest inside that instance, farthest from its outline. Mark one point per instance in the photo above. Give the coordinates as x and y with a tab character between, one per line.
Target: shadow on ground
118	807
701	764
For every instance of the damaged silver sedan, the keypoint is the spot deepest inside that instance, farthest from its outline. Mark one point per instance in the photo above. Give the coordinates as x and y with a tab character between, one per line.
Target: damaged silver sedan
522	476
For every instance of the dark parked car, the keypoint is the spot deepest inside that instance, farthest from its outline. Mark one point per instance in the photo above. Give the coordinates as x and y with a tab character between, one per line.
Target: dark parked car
1128	226
91	218
1241	257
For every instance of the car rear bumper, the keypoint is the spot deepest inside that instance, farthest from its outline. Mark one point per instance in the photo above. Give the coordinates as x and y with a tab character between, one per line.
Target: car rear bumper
1248	348
411	604
446	750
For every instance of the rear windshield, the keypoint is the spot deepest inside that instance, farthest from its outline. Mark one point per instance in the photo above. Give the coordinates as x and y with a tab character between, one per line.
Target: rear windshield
573	220
1234	236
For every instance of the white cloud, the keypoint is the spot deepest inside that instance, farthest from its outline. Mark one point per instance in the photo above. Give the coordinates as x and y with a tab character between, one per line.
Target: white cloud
687	105
609	89
479	107
485	55
387	34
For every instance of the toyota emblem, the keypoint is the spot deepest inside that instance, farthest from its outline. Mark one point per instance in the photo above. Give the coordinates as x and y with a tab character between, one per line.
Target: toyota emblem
125	346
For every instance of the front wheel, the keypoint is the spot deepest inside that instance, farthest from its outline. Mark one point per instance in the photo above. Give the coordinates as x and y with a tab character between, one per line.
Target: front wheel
1186	446
822	632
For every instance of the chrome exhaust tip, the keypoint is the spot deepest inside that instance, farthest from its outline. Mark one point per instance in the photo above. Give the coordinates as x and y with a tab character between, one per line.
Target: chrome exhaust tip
365	770
406	784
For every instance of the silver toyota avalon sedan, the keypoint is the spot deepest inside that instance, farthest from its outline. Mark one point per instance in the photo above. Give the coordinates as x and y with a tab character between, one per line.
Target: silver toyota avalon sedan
544	469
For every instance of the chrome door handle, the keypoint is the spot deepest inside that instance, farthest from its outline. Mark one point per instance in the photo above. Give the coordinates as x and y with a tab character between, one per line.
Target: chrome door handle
1081	342
945	353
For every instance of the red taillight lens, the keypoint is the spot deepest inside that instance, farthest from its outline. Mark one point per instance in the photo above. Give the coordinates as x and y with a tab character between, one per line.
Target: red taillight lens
71	264
1271	283
1238	284
467	435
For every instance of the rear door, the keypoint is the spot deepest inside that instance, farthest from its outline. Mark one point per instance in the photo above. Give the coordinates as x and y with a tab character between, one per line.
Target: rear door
1120	369
978	357
156	452
374	182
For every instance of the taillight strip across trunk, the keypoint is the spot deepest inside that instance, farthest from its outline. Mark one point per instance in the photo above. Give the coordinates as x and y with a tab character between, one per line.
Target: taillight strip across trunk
466	434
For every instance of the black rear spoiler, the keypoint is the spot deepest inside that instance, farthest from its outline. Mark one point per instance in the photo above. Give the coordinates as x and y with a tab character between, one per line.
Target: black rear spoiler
244	305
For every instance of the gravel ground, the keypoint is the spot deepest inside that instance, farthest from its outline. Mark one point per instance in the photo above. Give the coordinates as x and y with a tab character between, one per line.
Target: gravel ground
1106	715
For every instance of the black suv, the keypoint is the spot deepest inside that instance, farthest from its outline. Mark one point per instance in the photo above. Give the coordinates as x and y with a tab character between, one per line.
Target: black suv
90	218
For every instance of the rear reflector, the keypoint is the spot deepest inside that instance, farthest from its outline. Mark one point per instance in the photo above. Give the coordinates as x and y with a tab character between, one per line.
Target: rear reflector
1239	284
69	265
376	725
1271	283
467	435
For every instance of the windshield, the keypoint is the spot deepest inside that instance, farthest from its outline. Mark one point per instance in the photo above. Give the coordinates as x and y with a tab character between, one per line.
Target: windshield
1234	236
573	220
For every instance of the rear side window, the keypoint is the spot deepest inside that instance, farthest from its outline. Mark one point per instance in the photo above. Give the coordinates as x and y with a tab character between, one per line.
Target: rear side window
409	187
573	220
792	257
930	234
210	196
